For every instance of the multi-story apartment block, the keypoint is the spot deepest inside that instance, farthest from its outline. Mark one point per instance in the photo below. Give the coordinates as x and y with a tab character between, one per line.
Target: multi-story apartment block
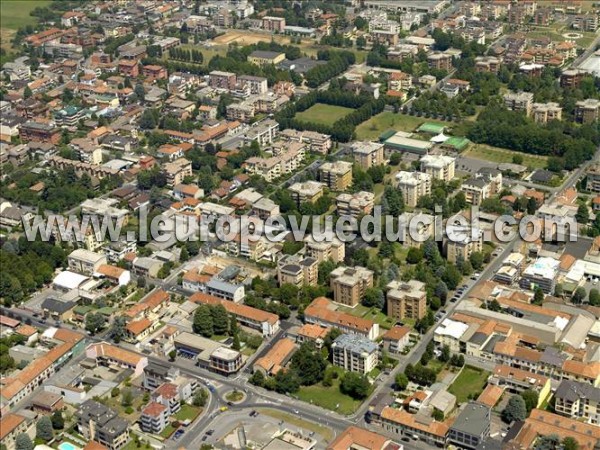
225	361
299	271
39	132
440	61
256	85
587	111
349	284
154	418
586	22
482	185
400	81
368	154
11	426
439	167
355	353
316	142
177	171
406	300
99	423
413	186
542	273
461	242
85	262
545	112
574	399
306	192
355	205
472	426
571	78
417	228
519	101
330	249
487	64
593	178
270	23
336	175
222	80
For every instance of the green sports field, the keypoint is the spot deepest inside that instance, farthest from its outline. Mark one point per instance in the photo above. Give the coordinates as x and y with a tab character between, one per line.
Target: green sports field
324	114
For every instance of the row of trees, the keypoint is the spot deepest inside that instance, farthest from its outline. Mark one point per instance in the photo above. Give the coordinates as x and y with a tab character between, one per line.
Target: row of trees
569	146
27	266
342	130
181	54
337	63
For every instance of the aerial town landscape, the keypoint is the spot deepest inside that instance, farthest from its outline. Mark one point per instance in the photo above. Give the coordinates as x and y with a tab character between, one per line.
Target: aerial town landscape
169	274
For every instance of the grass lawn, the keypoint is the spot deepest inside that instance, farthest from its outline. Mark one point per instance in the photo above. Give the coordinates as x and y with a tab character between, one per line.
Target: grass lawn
374	314
300	423
15	13
372	128
188	412
500	155
471	381
234	396
329	398
325	114
168	431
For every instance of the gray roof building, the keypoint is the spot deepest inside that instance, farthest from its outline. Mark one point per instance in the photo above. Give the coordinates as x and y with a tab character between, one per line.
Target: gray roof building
471	427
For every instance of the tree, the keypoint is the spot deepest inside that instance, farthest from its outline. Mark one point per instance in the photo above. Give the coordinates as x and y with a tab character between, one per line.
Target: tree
27	92
94	322
579	295
22	442
355	385
570	443
583	214
438	415
476	260
517	159
559	290
172	355
117	330
373	297
309	364
203	321
445	354
531	206
220	319
126	397
43	429
538	296
594	297
414	255
331	336
58	422
257	378
494	305
531	399
139	91
401	381
514	410
287	382
200	397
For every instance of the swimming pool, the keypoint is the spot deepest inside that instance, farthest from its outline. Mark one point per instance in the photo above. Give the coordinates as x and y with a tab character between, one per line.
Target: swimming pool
67	446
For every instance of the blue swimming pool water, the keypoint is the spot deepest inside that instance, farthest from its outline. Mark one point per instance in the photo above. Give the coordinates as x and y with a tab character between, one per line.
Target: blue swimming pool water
67	446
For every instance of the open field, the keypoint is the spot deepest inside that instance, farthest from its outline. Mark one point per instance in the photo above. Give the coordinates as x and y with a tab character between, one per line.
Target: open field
372	128
325	114
500	155
329	397
308	45
323	431
470	382
14	15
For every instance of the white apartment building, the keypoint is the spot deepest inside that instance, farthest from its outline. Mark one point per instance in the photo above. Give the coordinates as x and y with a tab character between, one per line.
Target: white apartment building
413	186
